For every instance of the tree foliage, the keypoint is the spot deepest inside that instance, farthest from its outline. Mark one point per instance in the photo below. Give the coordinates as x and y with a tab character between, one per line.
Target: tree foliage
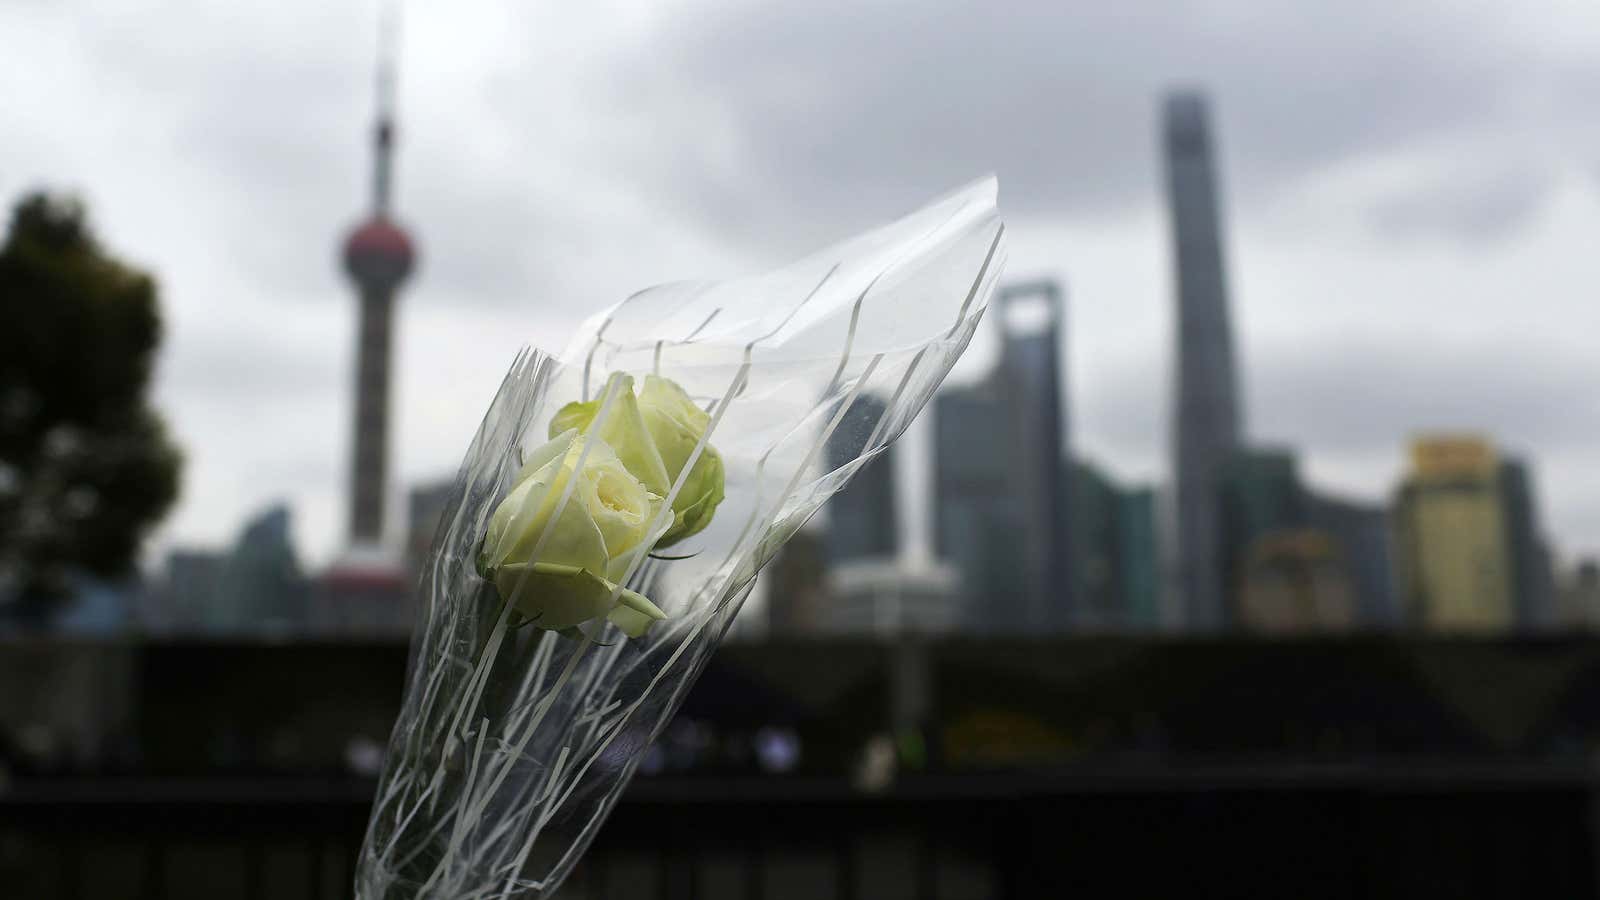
86	467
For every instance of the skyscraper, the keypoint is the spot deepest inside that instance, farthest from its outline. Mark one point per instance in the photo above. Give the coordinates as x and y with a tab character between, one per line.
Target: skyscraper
999	449
861	517
1113	536
1580	595
184	597
1095	504
1366	541
263	587
977	521
1532	581
425	508
1141	555
1259	495
796	585
378	255
1455	563
1030	369
1206	416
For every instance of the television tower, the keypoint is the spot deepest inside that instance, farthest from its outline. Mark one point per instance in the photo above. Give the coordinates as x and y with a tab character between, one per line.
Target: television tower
378	255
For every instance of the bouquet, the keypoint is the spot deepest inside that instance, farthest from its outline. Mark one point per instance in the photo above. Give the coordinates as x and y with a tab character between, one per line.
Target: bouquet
609	521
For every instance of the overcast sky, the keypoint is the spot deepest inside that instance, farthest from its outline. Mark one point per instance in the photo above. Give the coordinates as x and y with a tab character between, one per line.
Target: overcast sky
1412	191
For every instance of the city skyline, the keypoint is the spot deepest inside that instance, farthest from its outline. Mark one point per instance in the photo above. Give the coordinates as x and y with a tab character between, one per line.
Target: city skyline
1357	220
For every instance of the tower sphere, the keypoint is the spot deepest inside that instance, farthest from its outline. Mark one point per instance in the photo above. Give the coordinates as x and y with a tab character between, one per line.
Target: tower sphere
378	254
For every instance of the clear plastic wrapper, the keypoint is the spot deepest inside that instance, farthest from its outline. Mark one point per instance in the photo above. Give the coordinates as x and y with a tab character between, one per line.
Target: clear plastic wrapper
514	740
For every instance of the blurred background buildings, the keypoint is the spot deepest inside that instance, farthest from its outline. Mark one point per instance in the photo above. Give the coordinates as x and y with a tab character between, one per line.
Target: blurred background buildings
1028	537
1042	542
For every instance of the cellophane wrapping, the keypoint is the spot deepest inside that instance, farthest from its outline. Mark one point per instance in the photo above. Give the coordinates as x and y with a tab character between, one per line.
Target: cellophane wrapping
513	743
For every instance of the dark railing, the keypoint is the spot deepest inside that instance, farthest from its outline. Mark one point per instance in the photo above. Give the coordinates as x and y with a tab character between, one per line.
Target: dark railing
1303	832
1018	769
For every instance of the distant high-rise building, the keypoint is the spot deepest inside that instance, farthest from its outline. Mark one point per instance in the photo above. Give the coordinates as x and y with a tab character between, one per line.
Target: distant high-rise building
425	508
1002	517
1037	444
797	596
861	517
1326	562
1532	581
1295	581
1095	505
1258	494
1141	557
1206	421
1454	560
1580	595
378	255
1366	540
181	597
1114	540
262	585
977	520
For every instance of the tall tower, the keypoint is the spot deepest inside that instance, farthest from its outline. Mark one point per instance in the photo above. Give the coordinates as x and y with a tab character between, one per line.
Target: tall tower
378	255
1030	369
999	450
1206	418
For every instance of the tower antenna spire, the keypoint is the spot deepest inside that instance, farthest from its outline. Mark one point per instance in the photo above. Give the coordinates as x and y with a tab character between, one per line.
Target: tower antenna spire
383	131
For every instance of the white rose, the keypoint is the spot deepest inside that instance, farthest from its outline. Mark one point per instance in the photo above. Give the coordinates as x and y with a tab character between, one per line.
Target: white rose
582	552
655	433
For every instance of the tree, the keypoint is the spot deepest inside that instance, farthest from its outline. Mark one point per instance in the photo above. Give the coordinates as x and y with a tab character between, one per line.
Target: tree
86	467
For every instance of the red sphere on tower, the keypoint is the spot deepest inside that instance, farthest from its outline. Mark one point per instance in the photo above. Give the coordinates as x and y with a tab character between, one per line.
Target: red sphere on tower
378	254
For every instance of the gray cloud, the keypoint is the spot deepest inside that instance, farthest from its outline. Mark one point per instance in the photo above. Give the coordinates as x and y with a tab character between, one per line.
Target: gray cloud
1366	399
1473	207
1371	397
843	110
262	367
265	113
